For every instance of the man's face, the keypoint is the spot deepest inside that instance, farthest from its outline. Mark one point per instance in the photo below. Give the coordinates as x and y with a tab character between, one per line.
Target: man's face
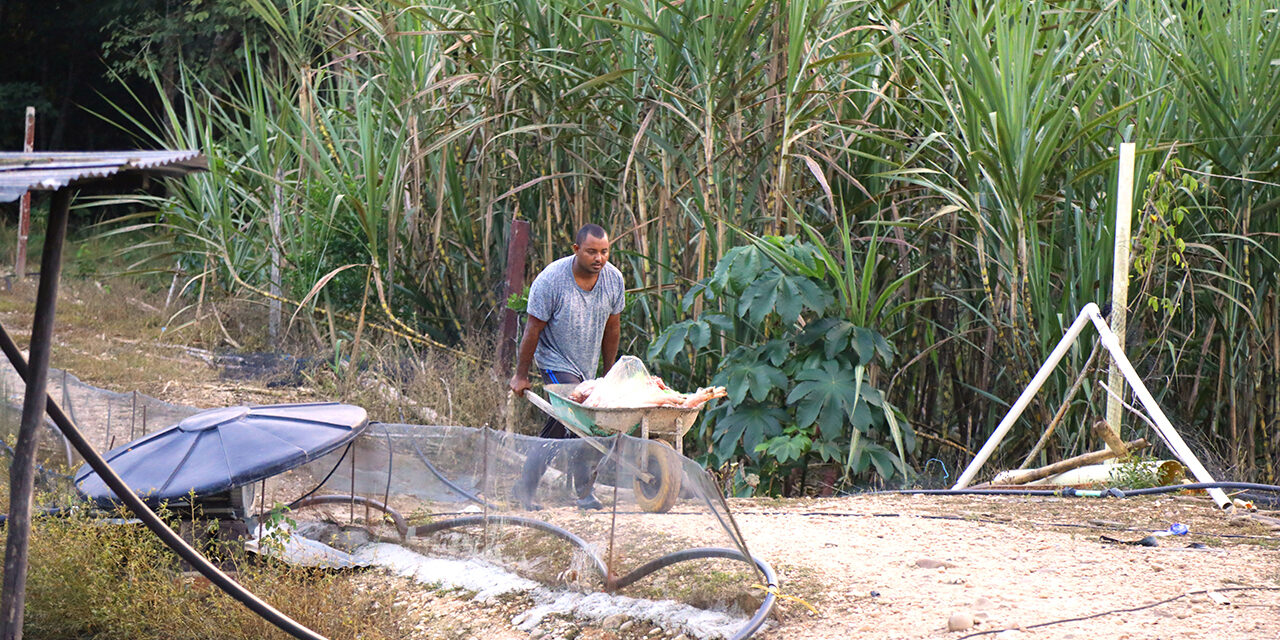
592	254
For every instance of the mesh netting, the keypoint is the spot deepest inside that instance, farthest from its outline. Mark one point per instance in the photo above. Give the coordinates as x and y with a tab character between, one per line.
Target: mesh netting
106	419
626	514
470	493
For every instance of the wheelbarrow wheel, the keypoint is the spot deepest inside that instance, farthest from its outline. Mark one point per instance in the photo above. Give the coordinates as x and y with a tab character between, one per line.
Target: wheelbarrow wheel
662	490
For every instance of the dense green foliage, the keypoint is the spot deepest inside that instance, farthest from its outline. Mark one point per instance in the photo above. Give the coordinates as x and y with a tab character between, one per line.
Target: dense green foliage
951	166
797	377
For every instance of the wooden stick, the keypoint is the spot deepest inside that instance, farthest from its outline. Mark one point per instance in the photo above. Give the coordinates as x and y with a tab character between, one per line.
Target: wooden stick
24	203
1114	443
1023	476
1120	279
1062	409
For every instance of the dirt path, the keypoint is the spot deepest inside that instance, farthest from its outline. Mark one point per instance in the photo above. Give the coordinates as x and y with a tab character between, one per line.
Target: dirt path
900	566
894	566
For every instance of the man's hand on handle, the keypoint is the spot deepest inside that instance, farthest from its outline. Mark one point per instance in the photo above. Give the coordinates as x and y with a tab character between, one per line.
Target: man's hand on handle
519	384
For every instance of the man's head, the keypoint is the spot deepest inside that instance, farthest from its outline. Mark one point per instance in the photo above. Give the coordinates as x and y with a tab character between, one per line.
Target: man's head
591	249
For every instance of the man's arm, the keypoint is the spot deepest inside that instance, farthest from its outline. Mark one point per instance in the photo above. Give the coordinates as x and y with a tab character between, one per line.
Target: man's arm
529	344
609	343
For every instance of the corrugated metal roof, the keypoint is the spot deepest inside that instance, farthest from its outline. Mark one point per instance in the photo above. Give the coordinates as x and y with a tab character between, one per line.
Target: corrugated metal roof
48	171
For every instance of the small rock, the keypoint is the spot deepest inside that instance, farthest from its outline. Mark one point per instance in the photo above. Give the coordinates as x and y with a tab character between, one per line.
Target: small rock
983	603
930	563
1239	521
614	621
626	625
959	621
681	637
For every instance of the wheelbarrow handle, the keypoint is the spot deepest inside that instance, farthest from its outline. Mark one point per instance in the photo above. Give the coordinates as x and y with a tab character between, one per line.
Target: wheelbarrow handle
546	408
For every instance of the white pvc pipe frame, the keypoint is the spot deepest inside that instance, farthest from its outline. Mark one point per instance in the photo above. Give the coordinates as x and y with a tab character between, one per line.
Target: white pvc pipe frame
1090	312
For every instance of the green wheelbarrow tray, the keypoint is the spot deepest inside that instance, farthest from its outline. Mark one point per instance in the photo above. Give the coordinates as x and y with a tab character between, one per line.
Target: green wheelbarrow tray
659	476
668	423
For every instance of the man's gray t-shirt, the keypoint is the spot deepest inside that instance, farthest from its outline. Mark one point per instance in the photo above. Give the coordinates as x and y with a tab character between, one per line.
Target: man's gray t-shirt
575	318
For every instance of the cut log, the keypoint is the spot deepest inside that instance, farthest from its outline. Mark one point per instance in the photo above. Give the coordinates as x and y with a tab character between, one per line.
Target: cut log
1027	475
1109	436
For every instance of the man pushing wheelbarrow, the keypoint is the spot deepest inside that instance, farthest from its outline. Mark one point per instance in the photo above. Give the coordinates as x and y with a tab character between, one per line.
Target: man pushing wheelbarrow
574	307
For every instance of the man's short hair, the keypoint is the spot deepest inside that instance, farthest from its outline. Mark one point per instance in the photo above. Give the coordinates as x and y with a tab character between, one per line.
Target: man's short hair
589	230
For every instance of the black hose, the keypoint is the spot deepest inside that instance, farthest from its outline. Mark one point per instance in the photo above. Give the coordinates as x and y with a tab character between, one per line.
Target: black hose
1113	492
447	482
326	477
753	625
149	518
47	511
1247	486
401	527
771	579
432	527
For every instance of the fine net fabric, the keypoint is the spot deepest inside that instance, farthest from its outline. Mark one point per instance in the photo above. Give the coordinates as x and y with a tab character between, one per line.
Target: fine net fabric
455	490
459	491
105	418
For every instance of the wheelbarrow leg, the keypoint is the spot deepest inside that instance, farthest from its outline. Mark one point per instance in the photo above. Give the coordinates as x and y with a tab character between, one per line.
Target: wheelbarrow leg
644	435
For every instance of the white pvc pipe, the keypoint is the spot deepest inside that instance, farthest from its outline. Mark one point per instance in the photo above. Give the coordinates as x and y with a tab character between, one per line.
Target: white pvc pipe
1023	400
1180	448
1090	313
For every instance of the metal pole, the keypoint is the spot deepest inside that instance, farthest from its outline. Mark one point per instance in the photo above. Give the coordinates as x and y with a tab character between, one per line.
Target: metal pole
24	205
1023	400
22	472
1120	281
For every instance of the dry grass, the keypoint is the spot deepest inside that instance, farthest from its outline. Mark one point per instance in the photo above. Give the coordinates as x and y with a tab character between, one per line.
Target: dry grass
95	579
107	333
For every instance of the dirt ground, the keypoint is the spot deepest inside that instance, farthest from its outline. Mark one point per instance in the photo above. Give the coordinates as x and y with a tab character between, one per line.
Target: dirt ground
871	566
894	566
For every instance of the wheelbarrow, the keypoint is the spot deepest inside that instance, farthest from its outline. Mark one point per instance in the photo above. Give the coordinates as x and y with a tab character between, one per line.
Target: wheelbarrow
659	473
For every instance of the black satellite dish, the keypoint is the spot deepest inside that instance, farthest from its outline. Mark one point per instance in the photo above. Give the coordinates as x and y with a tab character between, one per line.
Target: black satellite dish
214	451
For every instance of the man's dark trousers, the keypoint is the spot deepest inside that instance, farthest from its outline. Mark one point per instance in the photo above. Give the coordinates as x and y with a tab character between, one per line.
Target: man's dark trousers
582	458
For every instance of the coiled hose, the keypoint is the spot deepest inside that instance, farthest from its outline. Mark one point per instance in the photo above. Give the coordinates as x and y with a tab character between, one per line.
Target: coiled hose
753	625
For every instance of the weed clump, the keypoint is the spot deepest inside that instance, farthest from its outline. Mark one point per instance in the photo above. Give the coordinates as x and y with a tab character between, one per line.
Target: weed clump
92	577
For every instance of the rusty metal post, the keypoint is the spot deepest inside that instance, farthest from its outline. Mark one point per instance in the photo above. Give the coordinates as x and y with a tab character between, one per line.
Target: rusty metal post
22	473
24	205
517	252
